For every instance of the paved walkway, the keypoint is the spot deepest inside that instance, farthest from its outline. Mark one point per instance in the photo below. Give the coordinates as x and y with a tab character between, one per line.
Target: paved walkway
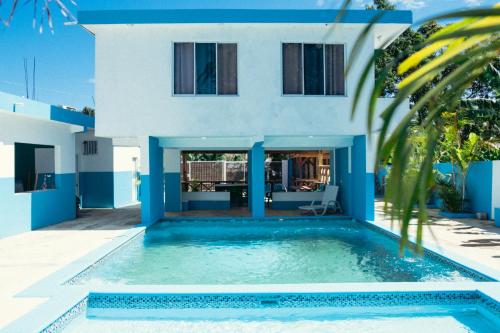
470	238
29	257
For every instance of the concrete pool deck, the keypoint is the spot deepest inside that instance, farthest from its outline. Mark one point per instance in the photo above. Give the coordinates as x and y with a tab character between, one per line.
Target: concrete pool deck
29	257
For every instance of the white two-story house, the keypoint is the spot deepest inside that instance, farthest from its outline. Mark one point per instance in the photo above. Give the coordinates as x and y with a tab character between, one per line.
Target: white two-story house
251	80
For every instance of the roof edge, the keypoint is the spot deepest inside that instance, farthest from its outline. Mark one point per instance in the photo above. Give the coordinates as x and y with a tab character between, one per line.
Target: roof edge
180	16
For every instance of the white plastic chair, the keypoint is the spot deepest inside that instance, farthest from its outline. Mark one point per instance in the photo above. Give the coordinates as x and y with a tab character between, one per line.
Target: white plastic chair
329	201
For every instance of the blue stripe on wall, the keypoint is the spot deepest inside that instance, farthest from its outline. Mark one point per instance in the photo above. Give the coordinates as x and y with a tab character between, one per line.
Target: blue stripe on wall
172	192
243	15
96	189
54	206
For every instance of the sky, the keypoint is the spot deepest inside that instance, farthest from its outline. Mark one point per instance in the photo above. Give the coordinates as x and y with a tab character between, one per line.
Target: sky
64	72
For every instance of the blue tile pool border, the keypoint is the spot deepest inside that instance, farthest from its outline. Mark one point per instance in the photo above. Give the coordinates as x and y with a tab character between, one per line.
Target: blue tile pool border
99	301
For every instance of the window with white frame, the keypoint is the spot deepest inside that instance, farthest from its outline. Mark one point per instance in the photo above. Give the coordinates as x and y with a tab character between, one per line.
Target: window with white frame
205	69
313	69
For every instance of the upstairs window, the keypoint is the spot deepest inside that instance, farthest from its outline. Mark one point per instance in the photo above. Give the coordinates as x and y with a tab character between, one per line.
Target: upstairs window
205	69
313	69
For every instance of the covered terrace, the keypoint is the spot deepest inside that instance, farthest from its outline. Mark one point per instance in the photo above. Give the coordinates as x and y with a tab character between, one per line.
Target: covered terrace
273	176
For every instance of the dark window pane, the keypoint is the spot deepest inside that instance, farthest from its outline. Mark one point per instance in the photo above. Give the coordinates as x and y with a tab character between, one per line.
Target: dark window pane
334	62
292	68
227	79
183	68
205	68
313	69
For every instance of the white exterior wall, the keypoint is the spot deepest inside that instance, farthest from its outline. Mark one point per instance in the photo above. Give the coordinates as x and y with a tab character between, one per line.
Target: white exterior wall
22	129
100	162
134	83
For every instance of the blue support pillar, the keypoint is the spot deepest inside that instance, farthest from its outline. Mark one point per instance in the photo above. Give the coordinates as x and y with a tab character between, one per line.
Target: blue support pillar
173	201
152	189
256	180
363	182
343	178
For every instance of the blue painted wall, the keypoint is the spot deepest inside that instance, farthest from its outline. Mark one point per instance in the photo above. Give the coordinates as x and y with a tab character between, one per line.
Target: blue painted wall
96	189
172	192
152	185
54	206
15	212
478	184
343	179
363	187
257	179
106	189
21	212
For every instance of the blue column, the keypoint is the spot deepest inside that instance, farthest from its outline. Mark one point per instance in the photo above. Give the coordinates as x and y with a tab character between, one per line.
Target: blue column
152	187
363	182
332	167
173	201
343	179
256	180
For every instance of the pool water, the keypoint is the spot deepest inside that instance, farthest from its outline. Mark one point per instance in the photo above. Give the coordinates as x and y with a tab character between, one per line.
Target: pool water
265	252
421	321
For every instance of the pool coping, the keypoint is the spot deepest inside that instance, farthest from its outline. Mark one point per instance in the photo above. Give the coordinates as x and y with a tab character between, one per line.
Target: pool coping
63	298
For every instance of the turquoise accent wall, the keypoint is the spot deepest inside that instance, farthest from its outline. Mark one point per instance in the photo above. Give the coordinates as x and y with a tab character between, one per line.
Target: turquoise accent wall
257	192
173	192
478	186
152	185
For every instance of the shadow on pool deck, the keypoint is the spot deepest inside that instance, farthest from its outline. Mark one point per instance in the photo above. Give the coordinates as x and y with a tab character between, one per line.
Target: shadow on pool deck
475	239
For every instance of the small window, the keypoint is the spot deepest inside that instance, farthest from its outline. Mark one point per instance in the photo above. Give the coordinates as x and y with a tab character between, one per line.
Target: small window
205	69
34	167
89	147
313	69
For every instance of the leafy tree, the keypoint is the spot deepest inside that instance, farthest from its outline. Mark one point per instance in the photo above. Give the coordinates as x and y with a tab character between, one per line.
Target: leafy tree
458	55
88	111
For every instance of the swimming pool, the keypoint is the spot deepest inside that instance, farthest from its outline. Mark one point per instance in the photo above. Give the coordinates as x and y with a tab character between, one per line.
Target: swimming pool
266	252
451	311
